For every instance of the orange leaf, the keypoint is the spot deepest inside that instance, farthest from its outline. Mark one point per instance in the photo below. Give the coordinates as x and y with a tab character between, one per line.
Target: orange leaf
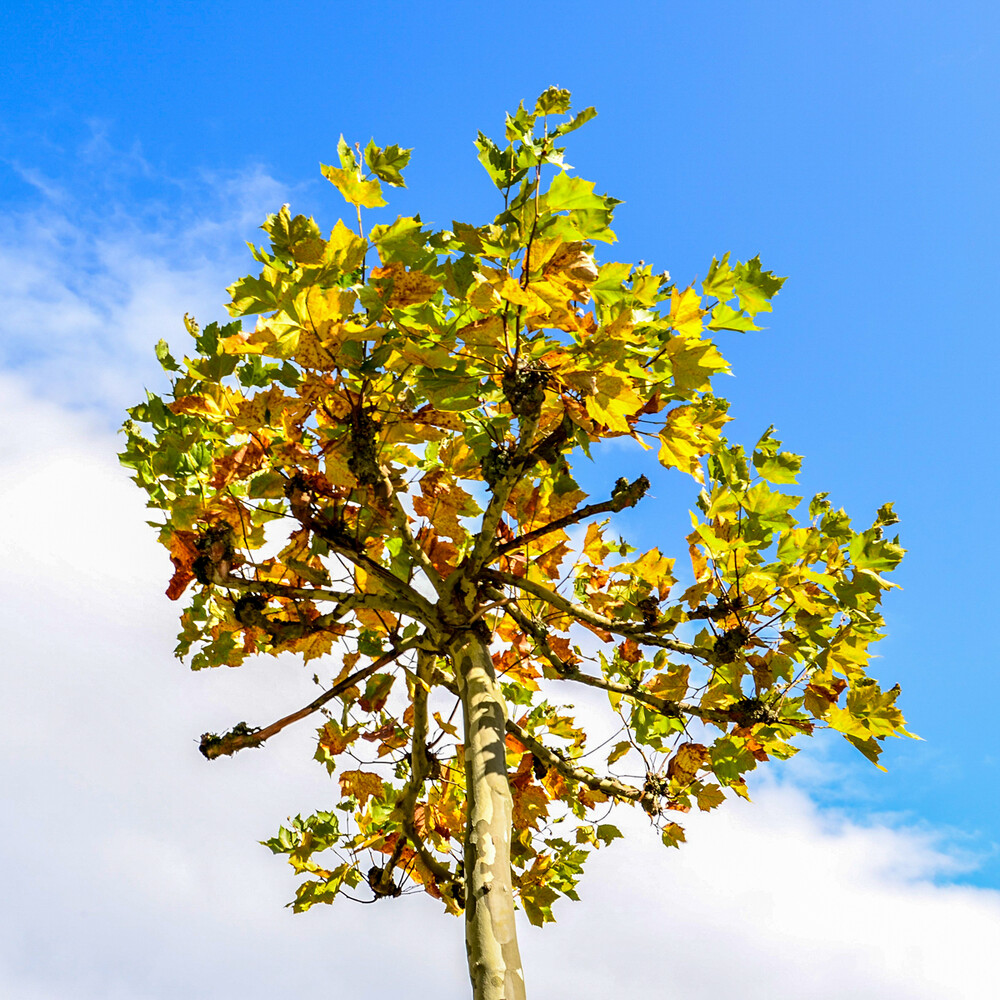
182	554
530	806
554	783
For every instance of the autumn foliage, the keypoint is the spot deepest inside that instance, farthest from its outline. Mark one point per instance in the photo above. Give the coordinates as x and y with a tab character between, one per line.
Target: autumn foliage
376	474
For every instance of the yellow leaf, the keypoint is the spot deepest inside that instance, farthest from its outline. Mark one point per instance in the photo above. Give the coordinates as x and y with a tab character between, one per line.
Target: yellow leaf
594	547
406	287
335	740
686	312
345	249
672	685
483	296
614	400
442	501
361	784
709	796
312	647
691	431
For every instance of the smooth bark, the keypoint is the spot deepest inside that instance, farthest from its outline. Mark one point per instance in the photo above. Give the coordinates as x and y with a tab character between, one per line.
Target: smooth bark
490	934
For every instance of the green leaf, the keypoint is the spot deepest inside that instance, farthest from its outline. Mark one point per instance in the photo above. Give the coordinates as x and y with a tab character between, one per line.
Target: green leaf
726	318
886	515
566	192
553	101
165	358
387	164
756	287
870	551
773	465
519	124
720	280
575	122
871	749
348	161
268	485
499	164
608	833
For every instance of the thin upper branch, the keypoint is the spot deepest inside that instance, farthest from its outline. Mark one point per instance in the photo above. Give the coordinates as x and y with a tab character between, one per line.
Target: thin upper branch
392	583
621	498
483	547
571	672
402	524
584	614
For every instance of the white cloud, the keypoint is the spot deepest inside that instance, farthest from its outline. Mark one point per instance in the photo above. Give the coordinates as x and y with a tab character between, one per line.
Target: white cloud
132	868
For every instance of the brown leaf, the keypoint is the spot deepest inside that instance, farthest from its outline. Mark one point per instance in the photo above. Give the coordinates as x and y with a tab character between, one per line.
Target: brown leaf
530	806
629	651
687	761
559	645
443	555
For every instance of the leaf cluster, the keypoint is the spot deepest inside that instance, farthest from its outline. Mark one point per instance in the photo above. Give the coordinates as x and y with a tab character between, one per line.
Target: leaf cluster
377	452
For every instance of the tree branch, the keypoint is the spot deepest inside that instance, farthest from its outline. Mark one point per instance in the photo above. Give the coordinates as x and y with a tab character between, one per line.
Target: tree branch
242	736
611	787
624	495
420	768
402	524
399	588
583	614
570	672
347	601
482	549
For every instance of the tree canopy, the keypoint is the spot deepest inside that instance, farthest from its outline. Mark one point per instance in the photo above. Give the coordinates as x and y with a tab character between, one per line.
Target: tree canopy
377	475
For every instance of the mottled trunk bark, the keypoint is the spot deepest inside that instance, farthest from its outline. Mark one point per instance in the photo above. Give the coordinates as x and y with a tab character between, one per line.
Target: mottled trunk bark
490	935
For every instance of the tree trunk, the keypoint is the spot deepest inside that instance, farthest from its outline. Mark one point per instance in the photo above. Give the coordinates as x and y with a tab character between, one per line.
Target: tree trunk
490	934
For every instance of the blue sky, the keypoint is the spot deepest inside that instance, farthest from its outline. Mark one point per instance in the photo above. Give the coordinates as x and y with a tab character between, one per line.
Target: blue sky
853	145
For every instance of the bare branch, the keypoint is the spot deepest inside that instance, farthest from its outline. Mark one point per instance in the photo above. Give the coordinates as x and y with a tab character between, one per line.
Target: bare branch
242	736
625	495
346	600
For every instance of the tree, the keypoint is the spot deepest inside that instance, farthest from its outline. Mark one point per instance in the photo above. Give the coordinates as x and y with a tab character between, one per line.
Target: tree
380	469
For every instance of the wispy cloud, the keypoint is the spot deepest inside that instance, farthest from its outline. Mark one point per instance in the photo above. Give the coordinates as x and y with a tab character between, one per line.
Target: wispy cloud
92	283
